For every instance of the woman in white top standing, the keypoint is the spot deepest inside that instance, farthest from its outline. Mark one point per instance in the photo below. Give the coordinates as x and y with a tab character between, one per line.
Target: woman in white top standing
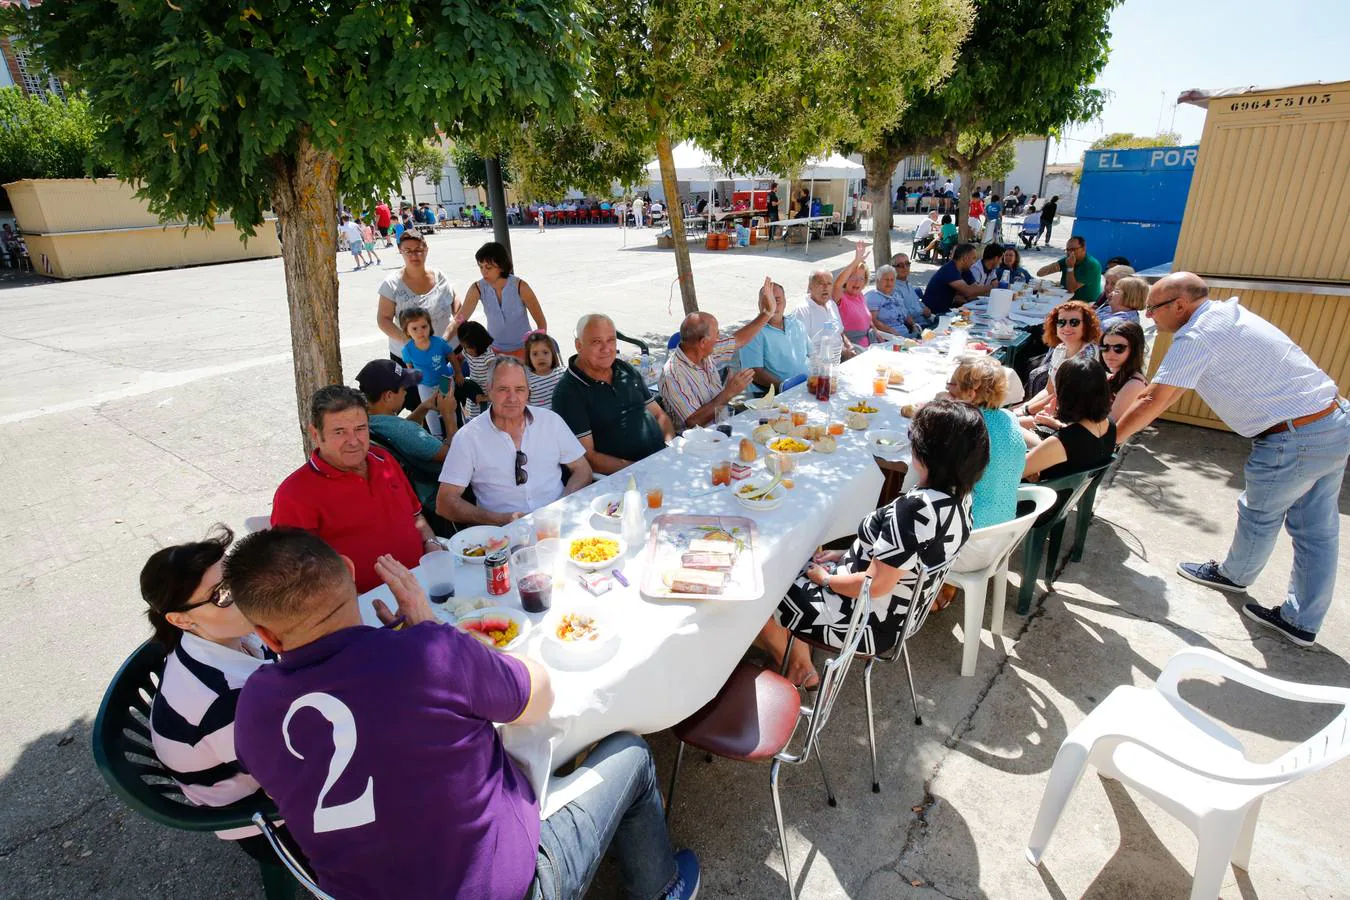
415	285
508	303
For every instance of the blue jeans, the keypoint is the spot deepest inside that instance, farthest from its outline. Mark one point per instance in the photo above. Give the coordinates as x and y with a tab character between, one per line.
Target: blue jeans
625	808
1294	479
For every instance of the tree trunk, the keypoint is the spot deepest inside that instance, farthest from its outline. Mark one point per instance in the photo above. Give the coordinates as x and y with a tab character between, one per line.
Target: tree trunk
675	209
304	193
501	232
412	188
967	172
879	165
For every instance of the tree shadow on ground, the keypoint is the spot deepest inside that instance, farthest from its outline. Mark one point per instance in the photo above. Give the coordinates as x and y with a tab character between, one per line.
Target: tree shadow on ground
63	833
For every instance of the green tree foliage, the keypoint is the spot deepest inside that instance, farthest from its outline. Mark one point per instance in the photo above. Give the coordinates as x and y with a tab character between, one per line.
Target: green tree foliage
986	157
47	137
1026	68
471	168
422	159
231	107
762	85
1125	140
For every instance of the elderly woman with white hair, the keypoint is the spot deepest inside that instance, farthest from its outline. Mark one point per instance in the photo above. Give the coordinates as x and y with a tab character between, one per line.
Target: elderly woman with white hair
896	306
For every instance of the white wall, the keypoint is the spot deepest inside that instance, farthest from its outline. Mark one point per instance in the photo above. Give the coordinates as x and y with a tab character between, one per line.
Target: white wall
1029	170
1062	184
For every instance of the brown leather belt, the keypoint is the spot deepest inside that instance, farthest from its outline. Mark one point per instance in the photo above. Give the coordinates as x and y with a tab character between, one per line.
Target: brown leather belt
1282	427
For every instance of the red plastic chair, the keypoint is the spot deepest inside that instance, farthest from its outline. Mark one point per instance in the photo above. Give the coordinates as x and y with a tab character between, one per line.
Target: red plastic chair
756	713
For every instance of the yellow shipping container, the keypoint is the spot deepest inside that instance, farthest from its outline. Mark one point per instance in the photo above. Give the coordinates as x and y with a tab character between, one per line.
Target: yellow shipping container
1315	316
1271	185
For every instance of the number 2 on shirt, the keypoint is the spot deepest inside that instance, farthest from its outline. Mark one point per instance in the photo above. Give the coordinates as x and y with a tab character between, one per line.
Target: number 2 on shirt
353	813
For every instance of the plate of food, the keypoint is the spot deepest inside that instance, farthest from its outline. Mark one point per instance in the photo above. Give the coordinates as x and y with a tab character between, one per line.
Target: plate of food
593	552
887	444
702	558
760	493
609	506
579	636
788	444
473	544
498	627
864	408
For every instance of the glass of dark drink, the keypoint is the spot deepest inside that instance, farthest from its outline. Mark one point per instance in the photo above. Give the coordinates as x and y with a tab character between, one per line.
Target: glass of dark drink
536	592
441	591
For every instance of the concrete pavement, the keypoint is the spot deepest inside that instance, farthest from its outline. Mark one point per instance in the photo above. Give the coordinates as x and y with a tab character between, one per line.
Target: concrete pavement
136	410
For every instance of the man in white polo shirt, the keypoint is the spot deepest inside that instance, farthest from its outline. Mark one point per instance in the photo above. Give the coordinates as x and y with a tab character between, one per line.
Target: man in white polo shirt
1265	388
512	457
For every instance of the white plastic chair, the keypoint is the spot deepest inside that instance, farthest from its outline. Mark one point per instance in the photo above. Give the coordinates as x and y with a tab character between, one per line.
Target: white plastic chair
986	556
257	523
1188	764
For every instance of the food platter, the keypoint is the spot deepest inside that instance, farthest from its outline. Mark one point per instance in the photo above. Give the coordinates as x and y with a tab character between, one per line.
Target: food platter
595	551
495	625
681	551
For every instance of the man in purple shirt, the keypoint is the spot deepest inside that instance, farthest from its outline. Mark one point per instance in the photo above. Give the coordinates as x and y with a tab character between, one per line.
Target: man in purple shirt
379	748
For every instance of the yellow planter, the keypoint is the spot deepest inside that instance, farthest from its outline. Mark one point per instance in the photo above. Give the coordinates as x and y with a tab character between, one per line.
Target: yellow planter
81	227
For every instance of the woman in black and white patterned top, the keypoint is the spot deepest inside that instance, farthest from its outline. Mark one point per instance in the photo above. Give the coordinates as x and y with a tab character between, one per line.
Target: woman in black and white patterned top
925	527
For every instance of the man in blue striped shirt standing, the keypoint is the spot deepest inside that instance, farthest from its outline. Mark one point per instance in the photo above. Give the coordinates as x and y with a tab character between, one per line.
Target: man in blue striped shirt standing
1265	388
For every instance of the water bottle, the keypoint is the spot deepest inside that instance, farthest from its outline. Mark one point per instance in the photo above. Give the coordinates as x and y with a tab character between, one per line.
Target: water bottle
634	526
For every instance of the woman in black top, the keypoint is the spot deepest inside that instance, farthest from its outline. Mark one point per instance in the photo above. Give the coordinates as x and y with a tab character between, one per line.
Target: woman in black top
1088	437
1048	218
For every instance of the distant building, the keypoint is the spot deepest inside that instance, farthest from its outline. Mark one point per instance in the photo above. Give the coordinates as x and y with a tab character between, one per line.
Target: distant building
19	68
1061	180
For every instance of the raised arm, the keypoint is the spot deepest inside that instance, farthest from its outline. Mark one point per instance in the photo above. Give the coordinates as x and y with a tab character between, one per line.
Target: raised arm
746	333
1049	268
1154	402
859	255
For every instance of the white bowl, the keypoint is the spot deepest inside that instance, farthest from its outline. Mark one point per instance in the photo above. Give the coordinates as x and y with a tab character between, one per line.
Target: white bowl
706	440
465	623
595	566
600	504
565	654
775	500
769	446
478	535
874	439
876	410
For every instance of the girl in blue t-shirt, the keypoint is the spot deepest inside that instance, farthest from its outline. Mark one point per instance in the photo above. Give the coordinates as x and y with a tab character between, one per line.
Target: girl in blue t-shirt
430	355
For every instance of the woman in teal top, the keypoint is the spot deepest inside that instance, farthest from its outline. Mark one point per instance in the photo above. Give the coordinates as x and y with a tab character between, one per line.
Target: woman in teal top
981	382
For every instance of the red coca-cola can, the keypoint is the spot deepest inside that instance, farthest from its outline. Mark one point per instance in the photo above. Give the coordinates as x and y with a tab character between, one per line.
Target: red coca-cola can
498	572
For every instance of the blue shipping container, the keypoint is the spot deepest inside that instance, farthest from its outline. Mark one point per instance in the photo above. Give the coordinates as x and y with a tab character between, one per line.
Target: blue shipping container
1131	202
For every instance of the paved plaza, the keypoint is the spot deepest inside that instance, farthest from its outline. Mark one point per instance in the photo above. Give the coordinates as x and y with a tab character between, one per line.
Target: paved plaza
137	410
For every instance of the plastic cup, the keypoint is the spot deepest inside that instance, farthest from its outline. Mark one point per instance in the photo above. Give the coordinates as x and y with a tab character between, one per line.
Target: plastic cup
655	495
836	428
879	385
799	418
547	523
438	573
534	583
721	472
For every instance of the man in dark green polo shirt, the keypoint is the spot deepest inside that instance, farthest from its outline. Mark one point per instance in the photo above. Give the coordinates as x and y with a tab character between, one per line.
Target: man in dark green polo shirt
606	403
1079	272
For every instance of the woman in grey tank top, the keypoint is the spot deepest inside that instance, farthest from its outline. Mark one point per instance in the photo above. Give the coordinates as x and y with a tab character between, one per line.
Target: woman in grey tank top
508	302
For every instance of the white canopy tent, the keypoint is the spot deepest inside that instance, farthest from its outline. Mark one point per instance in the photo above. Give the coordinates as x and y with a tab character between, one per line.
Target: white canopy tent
832	166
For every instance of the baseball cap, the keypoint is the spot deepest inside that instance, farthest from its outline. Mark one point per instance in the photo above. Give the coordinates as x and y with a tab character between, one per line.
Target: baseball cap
381	375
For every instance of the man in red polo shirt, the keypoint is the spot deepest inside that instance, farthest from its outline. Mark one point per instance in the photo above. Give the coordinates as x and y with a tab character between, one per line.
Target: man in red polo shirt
383	219
356	499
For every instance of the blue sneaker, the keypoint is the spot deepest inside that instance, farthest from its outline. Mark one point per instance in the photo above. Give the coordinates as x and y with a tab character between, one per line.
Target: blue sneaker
1209	575
1272	619
688	874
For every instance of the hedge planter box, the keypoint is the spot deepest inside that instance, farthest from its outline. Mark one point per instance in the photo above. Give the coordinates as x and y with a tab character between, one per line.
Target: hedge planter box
81	227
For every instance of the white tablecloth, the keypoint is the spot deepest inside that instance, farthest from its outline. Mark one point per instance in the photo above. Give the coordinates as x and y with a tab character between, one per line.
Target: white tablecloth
673	656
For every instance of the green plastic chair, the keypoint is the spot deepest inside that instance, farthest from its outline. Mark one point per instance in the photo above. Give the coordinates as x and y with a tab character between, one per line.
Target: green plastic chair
1079	488
126	759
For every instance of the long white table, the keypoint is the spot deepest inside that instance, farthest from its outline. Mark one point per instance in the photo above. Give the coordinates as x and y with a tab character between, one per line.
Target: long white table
673	656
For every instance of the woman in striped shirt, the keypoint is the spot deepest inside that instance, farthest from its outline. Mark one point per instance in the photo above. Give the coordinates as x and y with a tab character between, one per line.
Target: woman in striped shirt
544	368
211	652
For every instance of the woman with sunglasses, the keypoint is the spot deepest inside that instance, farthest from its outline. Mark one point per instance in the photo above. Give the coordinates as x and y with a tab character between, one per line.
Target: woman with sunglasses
211	653
1123	353
1071	331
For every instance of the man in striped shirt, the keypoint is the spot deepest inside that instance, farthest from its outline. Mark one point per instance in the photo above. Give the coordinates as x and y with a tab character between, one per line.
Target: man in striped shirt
1265	388
690	383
